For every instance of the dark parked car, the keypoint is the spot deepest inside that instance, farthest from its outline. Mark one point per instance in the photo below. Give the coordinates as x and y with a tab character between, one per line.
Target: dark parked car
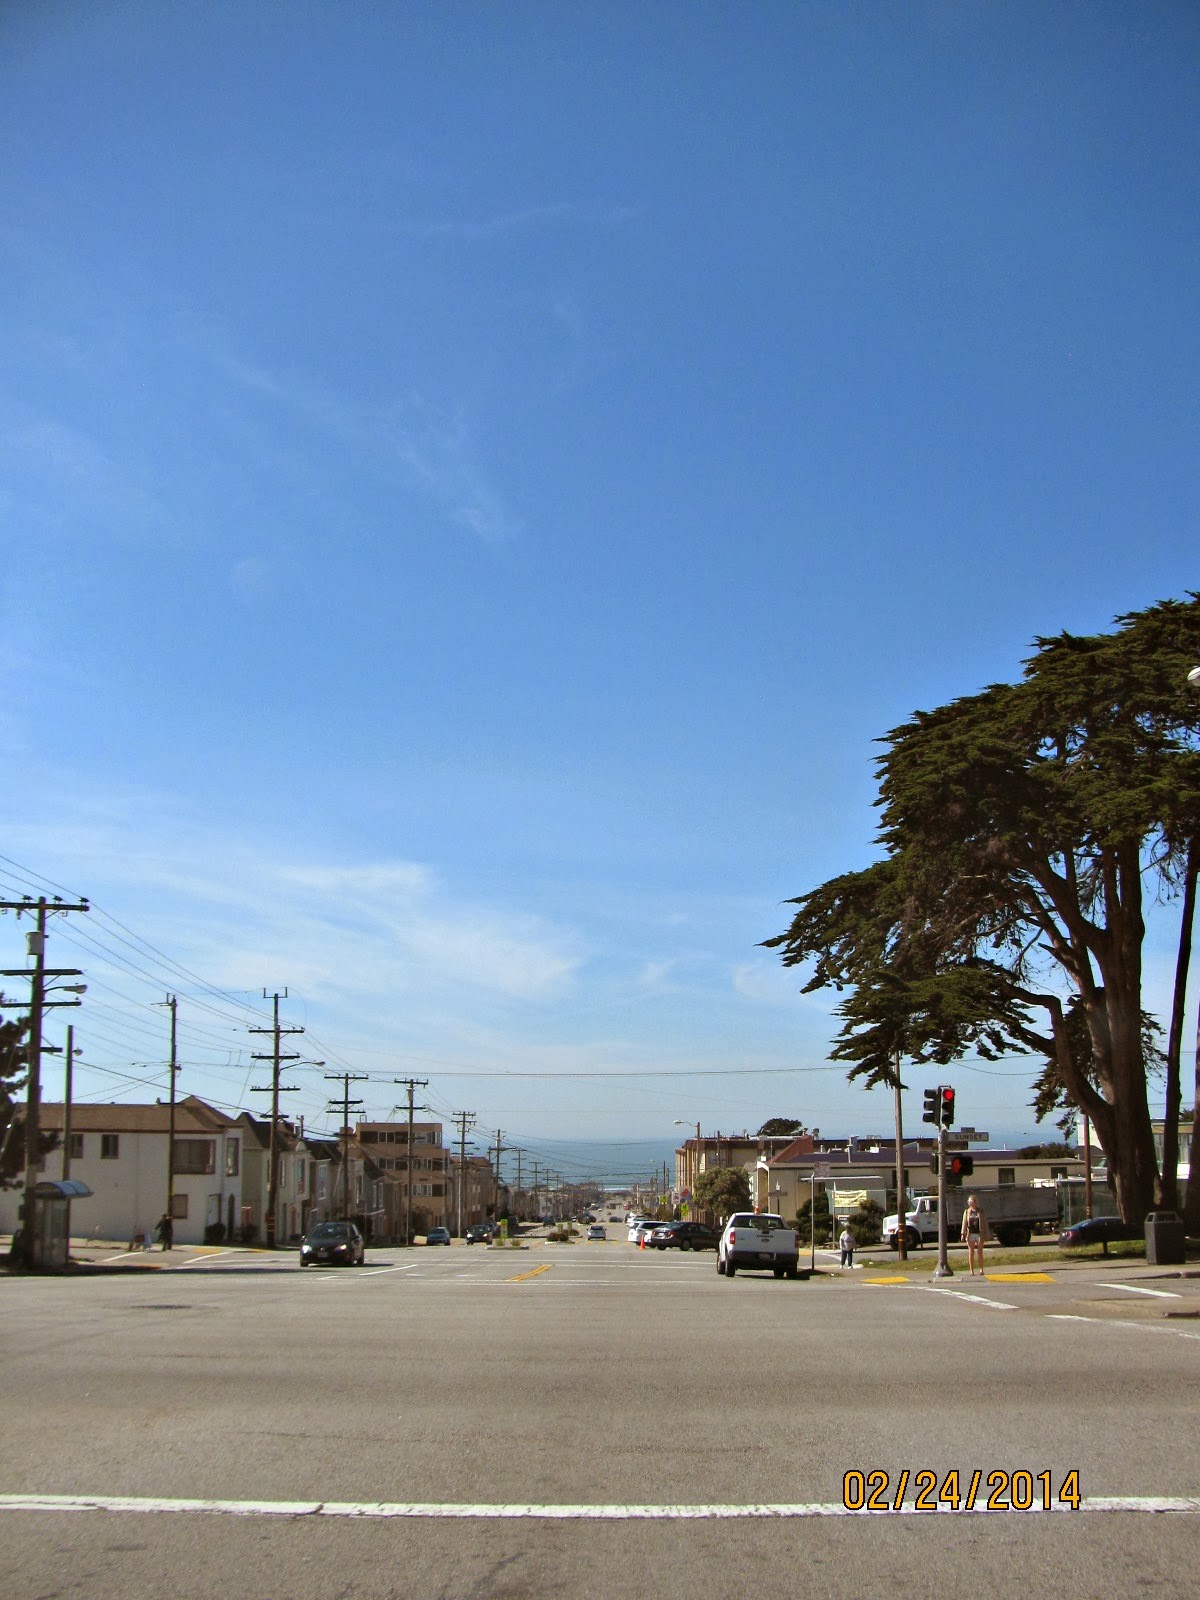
338	1243
438	1236
1097	1230
684	1236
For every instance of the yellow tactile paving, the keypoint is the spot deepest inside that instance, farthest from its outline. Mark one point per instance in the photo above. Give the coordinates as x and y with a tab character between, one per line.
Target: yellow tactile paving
1018	1277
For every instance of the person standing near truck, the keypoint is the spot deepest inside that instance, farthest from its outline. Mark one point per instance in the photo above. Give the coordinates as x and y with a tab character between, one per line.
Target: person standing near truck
973	1232
846	1244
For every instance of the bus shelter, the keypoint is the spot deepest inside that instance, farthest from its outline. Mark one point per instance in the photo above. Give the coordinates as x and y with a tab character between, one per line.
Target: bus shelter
52	1240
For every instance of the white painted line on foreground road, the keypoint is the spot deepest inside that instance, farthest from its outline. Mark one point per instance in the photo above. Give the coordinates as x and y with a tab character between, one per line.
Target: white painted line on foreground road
1136	1288
566	1513
975	1299
1112	1322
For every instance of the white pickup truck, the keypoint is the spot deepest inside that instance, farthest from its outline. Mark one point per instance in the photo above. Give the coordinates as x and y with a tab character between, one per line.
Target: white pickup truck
1013	1214
759	1240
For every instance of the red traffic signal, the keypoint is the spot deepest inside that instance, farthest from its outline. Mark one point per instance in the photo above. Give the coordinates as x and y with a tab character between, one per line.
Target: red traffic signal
947	1108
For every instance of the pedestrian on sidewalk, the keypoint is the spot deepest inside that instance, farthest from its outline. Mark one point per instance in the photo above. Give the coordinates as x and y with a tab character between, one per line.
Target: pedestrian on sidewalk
973	1232
846	1242
165	1232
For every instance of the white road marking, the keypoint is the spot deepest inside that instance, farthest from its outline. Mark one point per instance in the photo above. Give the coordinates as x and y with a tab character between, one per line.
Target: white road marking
975	1299
1113	1322
1135	1288
199	1261
42	1503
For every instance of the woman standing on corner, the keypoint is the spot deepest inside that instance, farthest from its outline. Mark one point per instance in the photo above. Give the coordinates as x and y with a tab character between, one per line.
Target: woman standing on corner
973	1232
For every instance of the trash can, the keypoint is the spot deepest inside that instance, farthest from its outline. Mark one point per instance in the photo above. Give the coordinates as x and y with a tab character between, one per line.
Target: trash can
1164	1239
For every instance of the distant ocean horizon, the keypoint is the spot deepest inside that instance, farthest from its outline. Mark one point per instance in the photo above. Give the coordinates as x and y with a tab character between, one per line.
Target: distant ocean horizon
612	1163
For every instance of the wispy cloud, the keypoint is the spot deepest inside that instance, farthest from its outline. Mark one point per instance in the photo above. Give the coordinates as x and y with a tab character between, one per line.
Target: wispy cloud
65	468
654	974
342	930
433	447
436	450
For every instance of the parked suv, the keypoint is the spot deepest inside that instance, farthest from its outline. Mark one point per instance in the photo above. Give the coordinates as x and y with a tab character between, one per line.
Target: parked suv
684	1236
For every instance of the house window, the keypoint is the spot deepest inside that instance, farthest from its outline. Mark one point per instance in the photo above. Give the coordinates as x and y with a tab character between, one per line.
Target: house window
75	1150
197	1156
232	1157
179	1207
1058	1172
1006	1177
299	1175
110	1146
321	1184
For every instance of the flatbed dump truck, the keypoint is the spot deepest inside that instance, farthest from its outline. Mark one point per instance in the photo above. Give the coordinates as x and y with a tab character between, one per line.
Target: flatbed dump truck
1014	1214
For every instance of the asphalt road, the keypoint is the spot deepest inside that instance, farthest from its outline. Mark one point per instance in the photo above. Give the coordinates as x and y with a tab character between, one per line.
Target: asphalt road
590	1420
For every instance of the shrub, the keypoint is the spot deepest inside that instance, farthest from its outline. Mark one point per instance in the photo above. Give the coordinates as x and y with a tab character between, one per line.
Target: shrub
866	1224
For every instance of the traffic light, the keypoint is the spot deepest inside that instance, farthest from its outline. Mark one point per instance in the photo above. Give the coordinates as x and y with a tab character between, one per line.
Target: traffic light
947	1107
966	1165
933	1163
954	1171
932	1103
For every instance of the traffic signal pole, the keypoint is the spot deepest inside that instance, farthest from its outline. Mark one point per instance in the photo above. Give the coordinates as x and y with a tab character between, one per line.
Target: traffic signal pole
945	1096
943	1268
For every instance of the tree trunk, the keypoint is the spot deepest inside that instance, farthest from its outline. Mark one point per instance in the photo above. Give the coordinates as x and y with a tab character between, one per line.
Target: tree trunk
1115	1022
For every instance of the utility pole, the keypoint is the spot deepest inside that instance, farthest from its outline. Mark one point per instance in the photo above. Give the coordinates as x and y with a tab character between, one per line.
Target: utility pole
537	1210
517	1196
172	1002
499	1148
345	1079
66	1149
411	1084
38	1005
465	1120
276	1056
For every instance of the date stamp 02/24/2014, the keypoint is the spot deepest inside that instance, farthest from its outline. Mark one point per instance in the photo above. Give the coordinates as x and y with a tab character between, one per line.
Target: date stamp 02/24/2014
999	1490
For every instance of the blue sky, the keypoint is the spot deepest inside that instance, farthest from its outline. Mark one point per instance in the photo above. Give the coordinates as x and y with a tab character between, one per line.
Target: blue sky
476	480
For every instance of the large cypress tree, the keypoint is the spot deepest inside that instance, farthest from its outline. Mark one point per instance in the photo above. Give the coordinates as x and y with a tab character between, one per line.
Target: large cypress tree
1024	829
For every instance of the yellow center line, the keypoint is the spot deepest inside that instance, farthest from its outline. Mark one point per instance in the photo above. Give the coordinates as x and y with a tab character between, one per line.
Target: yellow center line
521	1277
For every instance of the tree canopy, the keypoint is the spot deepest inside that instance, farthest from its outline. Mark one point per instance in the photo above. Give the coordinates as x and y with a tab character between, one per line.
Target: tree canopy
12	1081
1022	828
779	1127
722	1190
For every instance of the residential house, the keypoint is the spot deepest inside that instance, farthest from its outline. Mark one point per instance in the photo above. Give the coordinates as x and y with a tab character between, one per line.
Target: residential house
293	1201
120	1152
